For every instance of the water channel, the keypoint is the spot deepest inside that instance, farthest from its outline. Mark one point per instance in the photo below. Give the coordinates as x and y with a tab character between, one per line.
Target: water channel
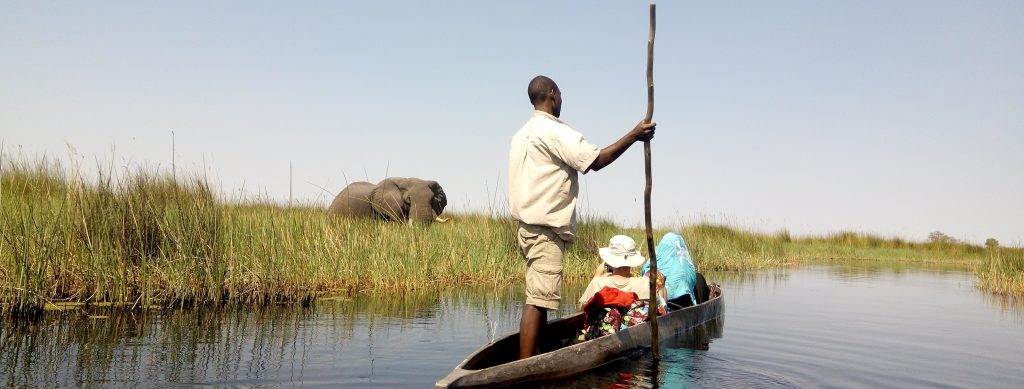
827	325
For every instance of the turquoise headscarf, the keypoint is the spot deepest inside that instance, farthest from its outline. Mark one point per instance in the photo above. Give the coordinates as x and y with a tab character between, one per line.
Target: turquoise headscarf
675	263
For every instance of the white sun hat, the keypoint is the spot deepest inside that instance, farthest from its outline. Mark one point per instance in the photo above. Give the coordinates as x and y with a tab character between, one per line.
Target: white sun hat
621	251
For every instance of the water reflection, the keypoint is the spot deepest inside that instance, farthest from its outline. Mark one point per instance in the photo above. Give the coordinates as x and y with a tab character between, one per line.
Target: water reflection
868	267
681	366
812	326
221	346
1006	306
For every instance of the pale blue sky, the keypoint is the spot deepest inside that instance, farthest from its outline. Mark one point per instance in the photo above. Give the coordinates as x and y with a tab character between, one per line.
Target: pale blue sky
889	117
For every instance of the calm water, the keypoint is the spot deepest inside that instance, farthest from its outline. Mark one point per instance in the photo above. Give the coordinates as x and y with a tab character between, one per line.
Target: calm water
813	326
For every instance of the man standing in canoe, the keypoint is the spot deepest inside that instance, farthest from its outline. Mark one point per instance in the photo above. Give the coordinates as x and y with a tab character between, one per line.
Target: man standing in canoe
544	159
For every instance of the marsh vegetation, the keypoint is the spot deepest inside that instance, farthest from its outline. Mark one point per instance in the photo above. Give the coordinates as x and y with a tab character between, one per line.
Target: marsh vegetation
145	238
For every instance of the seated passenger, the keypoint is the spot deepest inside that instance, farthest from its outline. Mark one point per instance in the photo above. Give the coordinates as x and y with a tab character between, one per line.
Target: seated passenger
684	285
615	299
618	259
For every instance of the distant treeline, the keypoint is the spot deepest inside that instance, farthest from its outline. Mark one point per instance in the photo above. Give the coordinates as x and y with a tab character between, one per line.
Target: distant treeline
142	238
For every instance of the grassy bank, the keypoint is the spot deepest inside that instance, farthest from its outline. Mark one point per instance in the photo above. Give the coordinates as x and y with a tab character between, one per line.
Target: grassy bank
143	239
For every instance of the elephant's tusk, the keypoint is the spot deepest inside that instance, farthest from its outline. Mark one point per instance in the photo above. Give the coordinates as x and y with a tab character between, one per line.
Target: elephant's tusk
440	220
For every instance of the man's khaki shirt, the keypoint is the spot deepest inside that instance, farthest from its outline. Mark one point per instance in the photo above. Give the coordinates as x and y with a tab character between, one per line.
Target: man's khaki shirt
543	164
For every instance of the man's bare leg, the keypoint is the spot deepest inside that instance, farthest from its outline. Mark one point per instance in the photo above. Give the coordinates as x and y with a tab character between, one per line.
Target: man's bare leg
529	329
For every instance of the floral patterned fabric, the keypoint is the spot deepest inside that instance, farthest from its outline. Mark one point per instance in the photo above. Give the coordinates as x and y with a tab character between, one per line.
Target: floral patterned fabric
612	320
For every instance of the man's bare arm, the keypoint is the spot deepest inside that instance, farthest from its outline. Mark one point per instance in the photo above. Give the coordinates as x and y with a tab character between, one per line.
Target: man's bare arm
642	132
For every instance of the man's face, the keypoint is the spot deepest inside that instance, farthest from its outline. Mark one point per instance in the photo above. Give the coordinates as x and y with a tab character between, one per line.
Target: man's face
556	105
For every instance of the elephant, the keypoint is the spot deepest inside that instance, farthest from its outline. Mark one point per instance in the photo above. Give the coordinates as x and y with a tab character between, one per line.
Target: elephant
394	198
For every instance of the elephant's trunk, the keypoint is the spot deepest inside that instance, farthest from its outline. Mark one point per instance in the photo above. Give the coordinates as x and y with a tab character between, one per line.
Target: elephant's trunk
422	214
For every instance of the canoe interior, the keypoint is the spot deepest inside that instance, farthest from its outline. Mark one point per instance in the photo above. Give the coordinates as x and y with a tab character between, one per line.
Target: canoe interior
557	334
496	364
697	338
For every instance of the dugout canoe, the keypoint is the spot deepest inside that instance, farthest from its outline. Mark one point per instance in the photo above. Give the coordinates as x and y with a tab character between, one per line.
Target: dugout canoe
495	364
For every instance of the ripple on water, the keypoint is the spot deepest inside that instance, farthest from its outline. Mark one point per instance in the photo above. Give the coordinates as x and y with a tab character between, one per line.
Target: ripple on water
678	368
798	327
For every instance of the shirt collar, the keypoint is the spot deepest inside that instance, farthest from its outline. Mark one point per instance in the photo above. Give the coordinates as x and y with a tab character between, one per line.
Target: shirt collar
538	112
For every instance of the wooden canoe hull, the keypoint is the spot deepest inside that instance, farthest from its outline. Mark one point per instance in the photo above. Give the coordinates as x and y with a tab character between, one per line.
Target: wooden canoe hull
495	364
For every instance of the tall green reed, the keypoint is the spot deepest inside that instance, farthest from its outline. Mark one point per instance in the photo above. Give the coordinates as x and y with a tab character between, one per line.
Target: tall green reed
144	238
1002	272
717	247
139	238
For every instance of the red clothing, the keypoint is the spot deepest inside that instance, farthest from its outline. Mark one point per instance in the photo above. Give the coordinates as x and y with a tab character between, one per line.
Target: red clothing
608	298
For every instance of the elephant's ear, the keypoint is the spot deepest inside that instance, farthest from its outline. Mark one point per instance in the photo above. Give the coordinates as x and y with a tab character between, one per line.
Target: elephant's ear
440	200
387	200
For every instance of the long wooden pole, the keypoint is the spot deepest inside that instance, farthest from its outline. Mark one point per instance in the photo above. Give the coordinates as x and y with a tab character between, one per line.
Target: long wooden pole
653	274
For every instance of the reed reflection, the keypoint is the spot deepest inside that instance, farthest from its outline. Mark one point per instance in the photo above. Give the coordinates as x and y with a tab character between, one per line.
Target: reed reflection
397	339
235	346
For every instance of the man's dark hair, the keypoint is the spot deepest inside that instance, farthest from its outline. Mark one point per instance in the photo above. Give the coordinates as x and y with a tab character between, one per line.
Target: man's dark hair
540	86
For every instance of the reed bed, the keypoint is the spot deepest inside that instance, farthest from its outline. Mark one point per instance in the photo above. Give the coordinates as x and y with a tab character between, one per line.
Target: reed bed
142	238
717	247
1002	271
853	246
135	240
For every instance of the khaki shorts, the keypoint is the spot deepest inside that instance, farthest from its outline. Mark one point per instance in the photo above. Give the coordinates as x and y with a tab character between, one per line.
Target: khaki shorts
543	250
